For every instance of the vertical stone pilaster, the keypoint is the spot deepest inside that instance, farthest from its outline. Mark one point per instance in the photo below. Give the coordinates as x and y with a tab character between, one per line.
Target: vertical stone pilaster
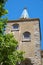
37	44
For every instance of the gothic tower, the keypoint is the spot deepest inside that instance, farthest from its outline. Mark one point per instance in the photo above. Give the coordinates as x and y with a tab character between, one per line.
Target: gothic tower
27	31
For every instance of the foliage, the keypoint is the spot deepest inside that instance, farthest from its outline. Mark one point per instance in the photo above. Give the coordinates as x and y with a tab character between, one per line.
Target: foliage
3	11
9	55
3	23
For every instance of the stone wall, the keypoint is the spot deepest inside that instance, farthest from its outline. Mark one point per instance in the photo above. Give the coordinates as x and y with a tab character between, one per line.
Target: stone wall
32	47
37	44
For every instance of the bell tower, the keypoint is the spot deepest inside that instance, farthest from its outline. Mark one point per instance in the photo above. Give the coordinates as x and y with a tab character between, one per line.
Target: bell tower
27	31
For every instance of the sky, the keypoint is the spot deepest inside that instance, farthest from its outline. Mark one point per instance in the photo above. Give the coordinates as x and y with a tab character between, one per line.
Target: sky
34	8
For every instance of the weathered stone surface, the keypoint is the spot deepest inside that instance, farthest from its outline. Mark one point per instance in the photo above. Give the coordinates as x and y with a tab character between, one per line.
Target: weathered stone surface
31	46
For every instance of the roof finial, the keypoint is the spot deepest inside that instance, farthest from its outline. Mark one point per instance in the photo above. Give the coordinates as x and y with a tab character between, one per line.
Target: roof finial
25	14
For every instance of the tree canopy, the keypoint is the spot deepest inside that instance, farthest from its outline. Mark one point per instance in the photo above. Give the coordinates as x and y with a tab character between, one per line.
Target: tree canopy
9	55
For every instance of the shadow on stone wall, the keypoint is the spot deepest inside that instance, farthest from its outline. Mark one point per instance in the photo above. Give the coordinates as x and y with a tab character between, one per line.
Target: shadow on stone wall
27	61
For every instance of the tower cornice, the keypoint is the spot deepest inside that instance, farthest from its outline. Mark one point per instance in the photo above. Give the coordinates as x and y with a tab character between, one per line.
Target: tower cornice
22	20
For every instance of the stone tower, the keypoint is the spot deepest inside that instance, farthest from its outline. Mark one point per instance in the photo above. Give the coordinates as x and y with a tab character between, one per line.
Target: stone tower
27	32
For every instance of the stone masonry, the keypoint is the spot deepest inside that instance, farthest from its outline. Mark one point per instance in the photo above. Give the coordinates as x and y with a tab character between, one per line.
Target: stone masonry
31	46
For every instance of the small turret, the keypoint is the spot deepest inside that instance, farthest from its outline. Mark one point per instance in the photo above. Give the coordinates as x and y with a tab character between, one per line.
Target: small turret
24	14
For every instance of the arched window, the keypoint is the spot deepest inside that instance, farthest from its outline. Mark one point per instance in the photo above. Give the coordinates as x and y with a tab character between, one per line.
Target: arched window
15	26
26	36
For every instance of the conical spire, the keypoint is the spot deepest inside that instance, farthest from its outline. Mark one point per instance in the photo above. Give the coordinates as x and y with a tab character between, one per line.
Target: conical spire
25	14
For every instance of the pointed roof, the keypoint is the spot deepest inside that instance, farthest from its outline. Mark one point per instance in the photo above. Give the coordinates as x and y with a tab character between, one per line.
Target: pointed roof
24	14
